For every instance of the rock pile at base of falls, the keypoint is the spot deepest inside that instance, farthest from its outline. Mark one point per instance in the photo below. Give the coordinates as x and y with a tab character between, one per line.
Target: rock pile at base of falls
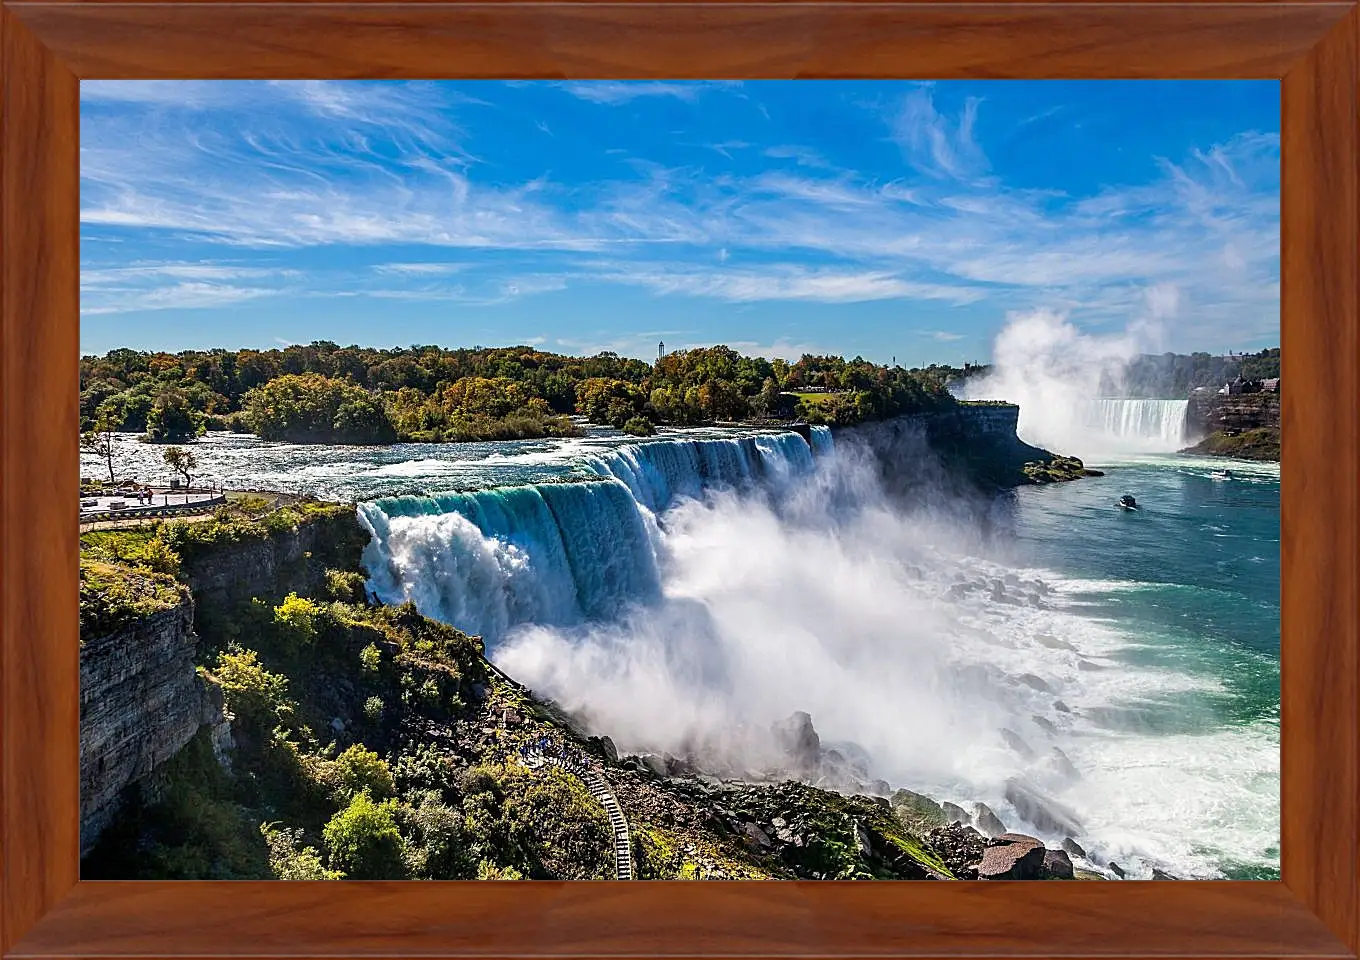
973	842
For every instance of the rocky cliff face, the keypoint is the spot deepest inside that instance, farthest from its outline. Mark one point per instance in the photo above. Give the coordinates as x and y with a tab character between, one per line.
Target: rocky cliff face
1246	411
961	451
141	701
1245	426
290	561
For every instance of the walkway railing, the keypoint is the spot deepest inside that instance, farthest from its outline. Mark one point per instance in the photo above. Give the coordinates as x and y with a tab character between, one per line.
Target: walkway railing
537	754
152	512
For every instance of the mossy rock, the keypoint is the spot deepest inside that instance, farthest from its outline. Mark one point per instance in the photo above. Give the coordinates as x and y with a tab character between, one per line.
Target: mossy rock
917	812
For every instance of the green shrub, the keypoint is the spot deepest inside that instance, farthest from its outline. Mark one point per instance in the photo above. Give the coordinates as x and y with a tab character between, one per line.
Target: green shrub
373	709
363	840
345	586
544	823
288	862
437	849
360	770
295	621
156	555
639	427
370	658
251	692
486	870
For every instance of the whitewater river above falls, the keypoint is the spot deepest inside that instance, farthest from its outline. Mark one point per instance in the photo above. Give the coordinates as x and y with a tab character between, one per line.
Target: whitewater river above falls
717	579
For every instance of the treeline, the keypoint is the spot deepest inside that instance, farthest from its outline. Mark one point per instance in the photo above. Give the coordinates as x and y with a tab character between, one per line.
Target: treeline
1171	376
1174	375
322	392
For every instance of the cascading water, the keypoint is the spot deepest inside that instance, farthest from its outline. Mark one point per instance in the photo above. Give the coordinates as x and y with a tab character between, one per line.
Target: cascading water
1136	425
683	594
560	553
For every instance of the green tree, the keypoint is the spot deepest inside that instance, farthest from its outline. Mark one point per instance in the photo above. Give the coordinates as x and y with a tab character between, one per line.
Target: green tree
182	462
363	840
611	401
172	419
310	408
99	438
360	770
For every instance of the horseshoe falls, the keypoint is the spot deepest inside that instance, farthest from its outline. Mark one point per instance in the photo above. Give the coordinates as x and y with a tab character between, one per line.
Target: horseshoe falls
1143	426
686	592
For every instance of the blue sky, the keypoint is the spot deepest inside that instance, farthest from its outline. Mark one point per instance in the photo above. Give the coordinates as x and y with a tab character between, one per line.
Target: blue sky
886	219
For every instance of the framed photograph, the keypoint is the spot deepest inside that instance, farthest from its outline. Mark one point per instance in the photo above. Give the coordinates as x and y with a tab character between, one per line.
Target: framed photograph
836	444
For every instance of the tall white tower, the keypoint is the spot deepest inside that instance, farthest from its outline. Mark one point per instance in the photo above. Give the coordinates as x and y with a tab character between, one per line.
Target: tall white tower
660	349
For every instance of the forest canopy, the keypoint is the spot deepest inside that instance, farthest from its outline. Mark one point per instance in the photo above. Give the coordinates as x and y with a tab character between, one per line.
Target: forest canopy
325	393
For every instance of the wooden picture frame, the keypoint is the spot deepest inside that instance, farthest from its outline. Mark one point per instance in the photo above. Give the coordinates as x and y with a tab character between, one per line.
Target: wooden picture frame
47	47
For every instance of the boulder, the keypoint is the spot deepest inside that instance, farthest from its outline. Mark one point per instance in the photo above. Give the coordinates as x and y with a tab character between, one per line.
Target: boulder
1012	856
953	813
1073	848
1162	875
1061	707
1044	724
1057	865
1117	870
988	823
798	740
960	847
611	752
917	812
1035	683
653	764
757	838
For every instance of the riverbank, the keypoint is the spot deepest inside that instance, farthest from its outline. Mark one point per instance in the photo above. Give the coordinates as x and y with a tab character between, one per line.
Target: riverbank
1262	443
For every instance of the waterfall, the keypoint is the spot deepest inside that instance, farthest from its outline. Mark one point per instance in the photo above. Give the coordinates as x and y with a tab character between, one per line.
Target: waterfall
661	471
1151	426
561	553
821	441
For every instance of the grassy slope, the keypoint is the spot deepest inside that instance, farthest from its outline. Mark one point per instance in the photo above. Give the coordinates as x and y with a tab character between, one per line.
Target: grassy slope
1259	444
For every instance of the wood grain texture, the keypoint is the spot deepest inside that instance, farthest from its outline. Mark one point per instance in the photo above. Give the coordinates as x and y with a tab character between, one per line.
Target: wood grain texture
655	919
1320	477
44	46
39	260
789	40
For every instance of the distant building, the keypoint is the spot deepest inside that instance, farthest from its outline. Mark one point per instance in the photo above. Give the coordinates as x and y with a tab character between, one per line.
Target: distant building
1234	386
1271	385
660	349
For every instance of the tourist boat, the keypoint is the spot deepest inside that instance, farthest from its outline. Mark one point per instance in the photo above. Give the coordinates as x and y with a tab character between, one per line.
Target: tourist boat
1127	502
1221	474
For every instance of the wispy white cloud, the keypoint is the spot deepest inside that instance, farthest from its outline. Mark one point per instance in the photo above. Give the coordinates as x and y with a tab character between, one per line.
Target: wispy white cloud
783	282
625	91
941	336
370	165
933	143
177	286
420	269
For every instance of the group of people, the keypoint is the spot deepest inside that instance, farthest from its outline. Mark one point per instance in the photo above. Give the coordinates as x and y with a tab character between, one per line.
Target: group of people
545	746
